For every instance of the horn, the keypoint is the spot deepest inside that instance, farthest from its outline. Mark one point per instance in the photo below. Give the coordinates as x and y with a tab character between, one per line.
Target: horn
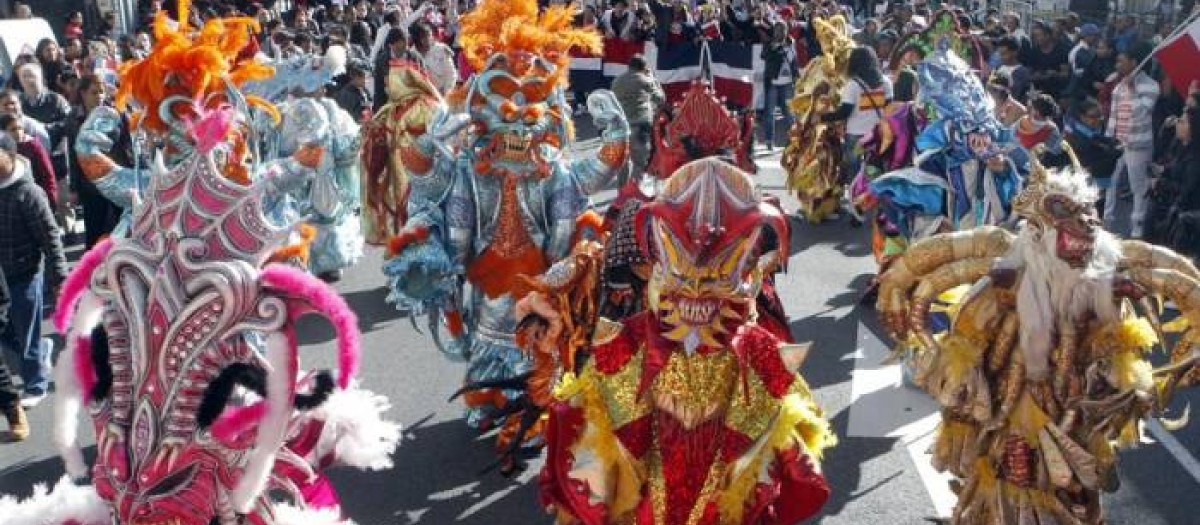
926	256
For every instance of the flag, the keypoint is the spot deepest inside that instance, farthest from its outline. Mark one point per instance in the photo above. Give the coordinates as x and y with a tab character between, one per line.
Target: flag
676	67
1179	56
586	73
733	72
617	53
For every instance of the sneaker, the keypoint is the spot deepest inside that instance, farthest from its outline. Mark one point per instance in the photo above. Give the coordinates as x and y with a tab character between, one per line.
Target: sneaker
331	276
32	399
18	425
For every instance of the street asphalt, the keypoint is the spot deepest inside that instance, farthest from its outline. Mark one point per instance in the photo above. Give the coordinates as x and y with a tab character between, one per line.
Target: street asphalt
874	473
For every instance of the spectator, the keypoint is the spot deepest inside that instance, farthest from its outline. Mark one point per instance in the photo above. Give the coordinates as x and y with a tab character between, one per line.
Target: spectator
74	52
50	57
21	11
354	96
40	166
285	45
1181	184
1098	72
682	27
394	20
127	48
1048	64
307	44
1008	109
1130	122
869	35
10	397
270	43
30	248
67	85
10	103
74	27
436	58
37	101
709	24
646	28
1080	57
640	97
618	22
378	13
780	70
304	23
1037	128
1097	153
885	43
100	215
1125	33
1010	66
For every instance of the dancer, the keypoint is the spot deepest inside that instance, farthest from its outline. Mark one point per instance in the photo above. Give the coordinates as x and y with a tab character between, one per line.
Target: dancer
814	154
505	202
1044	371
181	344
689	412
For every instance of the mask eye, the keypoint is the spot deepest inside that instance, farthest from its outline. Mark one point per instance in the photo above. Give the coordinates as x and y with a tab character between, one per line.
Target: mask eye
1058	207
172	483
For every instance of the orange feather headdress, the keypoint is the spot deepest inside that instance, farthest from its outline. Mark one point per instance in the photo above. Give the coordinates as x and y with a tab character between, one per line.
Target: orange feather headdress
515	26
189	63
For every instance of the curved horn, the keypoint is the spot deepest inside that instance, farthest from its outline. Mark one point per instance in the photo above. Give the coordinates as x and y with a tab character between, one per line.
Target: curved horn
926	256
1139	254
930	287
1185	292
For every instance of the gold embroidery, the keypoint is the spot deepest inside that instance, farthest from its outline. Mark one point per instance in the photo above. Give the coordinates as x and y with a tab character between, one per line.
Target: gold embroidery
620	392
695	388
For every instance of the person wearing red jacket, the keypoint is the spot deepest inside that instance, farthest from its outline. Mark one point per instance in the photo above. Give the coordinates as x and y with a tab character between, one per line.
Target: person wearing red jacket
39	160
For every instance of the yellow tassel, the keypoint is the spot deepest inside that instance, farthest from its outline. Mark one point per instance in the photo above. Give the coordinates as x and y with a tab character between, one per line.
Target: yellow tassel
799	419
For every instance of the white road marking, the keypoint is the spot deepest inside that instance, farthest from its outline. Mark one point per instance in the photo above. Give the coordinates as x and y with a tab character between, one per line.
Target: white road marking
1175	448
882	407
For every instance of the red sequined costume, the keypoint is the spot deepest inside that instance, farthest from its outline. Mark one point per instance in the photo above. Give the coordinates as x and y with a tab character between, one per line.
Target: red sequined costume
690	413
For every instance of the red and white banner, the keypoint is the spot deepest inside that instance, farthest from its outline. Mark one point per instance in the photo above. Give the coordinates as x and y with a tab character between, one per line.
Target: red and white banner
736	69
1179	56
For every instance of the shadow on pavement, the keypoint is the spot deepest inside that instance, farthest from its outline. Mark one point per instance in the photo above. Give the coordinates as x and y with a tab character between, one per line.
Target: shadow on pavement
437	480
370	307
18	479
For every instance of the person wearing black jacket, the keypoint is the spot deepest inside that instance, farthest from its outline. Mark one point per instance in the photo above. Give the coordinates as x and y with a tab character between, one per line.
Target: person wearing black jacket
1182	179
780	70
10	397
100	215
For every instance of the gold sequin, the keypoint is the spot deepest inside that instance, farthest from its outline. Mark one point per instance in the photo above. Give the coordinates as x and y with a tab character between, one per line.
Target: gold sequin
620	393
695	388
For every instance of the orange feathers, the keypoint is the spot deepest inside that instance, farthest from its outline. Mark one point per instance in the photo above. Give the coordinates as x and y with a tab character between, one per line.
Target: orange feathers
189	63
514	26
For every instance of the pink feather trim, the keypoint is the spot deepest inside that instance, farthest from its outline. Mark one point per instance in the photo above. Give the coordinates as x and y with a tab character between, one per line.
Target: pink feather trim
85	371
322	299
211	126
77	283
234	422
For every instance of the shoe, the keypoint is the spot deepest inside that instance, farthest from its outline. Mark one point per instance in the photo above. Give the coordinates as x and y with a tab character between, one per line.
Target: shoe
18	425
32	400
331	276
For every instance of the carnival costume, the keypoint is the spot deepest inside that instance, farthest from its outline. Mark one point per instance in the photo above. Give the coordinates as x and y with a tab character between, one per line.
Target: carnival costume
1044	371
813	156
412	102
506	203
689	413
698	126
181	343
968	168
329	201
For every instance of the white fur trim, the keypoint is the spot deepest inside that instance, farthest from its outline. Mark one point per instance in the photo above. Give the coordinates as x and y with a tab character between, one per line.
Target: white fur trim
273	428
68	402
289	515
66	502
355	431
